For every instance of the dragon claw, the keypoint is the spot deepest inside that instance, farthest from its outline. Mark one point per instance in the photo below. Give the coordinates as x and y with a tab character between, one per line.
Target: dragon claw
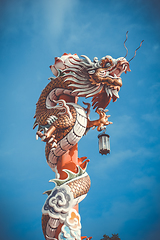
45	138
102	122
54	145
39	134
51	139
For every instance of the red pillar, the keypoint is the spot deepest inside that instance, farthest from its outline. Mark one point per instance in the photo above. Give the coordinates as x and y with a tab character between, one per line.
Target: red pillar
69	160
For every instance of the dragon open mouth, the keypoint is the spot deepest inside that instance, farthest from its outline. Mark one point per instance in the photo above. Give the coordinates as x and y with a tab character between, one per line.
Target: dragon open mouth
102	99
112	82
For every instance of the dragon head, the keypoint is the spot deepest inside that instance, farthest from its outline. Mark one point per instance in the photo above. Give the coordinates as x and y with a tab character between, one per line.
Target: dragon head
99	79
107	74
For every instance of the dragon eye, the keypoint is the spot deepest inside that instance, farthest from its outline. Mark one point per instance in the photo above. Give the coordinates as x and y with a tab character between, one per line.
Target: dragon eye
108	64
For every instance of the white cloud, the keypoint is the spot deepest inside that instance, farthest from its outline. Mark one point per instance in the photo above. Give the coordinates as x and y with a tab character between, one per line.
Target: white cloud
46	20
120	157
57	13
152	118
126	209
124	126
115	218
143	182
155	47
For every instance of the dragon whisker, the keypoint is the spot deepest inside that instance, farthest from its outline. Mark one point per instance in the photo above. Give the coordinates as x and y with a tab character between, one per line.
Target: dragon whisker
125	45
136	51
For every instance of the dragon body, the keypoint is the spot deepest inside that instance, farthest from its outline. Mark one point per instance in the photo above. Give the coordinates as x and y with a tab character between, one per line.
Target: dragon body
61	124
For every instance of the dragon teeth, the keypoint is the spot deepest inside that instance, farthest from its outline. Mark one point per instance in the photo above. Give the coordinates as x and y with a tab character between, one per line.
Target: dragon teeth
107	91
124	67
115	93
54	145
110	92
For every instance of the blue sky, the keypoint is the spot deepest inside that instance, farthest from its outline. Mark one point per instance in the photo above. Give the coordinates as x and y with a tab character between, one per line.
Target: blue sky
124	196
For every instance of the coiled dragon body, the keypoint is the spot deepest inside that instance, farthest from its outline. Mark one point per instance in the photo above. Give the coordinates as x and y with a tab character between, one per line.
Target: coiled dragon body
61	124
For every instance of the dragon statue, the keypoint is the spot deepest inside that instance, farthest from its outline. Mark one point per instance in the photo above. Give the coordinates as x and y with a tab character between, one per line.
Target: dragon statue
62	123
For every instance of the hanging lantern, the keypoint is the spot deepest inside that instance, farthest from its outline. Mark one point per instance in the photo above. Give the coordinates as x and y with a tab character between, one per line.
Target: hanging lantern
104	143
